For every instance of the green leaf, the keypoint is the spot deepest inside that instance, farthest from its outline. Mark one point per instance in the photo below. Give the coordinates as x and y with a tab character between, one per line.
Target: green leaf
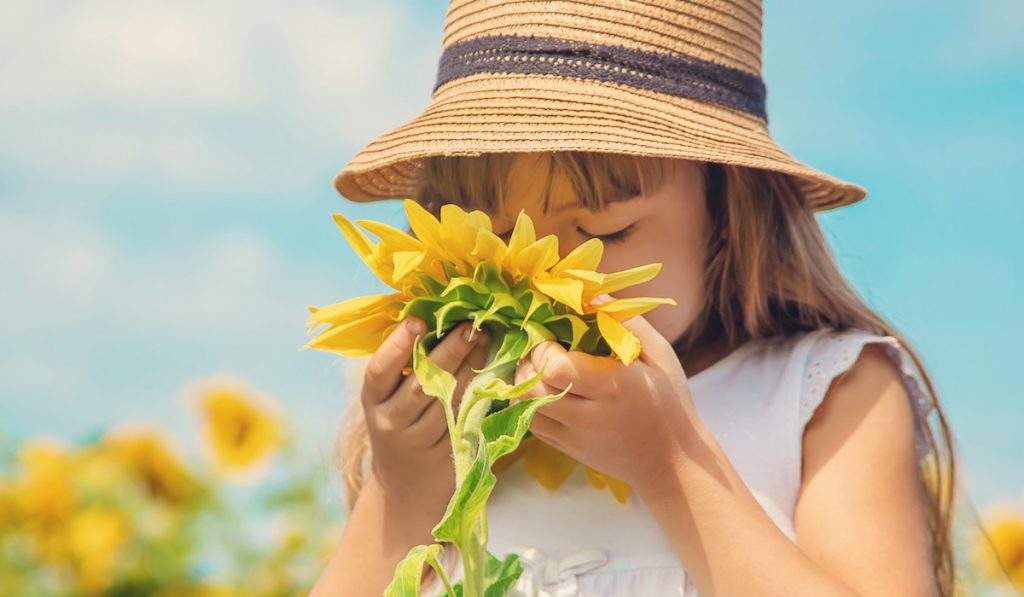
435	381
468	501
499	576
409	572
504	430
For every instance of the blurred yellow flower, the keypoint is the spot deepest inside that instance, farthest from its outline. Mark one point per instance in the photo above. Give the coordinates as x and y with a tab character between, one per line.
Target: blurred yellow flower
551	467
147	454
44	491
241	431
1006	552
43	494
96	537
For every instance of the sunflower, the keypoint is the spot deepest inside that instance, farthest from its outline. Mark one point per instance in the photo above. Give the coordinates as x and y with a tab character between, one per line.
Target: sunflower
145	452
243	433
457	269
1000	554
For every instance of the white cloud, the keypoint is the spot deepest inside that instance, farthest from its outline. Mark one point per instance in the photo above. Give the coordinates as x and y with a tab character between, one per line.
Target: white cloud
70	274
190	94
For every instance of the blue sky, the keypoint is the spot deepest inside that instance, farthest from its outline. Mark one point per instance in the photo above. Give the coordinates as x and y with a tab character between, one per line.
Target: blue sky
165	194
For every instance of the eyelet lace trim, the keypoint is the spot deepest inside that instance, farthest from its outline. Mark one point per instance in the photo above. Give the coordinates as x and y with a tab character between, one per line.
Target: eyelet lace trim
835	351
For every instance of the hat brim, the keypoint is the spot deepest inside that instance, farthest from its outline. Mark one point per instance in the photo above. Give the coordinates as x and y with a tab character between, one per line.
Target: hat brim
491	113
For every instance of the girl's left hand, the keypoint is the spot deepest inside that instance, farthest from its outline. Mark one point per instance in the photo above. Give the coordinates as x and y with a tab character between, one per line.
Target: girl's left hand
632	423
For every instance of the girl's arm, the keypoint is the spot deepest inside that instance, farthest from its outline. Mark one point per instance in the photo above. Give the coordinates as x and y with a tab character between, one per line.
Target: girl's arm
860	523
379	533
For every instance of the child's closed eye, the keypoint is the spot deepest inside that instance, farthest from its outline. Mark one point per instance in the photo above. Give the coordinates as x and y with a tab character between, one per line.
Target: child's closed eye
611	237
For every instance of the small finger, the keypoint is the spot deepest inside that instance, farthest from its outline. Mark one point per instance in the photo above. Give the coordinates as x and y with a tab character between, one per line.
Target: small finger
455	347
431	425
591	376
384	370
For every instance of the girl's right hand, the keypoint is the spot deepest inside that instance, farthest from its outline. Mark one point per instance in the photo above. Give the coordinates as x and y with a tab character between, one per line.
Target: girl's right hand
409	441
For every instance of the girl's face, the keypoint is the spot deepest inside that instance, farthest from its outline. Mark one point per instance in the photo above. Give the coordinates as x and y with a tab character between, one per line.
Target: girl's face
670	226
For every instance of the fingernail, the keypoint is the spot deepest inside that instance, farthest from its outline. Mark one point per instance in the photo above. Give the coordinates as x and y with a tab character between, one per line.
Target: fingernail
468	335
414	326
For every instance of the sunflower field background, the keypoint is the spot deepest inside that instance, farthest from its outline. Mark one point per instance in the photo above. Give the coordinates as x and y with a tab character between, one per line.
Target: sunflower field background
165	221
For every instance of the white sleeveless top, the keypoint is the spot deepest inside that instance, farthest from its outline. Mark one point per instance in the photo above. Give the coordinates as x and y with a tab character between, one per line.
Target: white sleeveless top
577	540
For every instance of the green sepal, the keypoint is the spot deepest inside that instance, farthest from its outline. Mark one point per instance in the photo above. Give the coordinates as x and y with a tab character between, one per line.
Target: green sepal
513	347
568	328
498	302
450	314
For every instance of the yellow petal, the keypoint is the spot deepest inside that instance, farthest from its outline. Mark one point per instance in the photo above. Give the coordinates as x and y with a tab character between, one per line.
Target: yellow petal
425	226
546	464
523	234
351	309
619	488
537	257
458	232
398	240
586	256
368	252
405	262
623	343
567	292
625	308
358	338
356	238
489	247
630	277
592	282
478	220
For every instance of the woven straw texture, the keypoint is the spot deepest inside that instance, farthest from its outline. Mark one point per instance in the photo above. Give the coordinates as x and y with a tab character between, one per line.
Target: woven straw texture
679	101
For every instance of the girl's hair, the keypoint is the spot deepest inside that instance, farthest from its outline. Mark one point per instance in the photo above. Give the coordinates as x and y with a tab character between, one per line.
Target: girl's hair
769	271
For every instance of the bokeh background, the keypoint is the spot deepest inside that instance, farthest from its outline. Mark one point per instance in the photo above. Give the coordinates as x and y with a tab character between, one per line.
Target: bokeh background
165	201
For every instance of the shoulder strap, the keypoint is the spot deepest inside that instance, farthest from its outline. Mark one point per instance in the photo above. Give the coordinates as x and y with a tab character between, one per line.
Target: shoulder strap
834	351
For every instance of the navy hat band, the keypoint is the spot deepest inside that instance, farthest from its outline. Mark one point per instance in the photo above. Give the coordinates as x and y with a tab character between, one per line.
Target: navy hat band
673	74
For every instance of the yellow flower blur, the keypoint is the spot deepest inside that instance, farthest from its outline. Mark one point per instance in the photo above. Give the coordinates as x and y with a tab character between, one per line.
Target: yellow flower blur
1006	552
95	538
242	433
144	452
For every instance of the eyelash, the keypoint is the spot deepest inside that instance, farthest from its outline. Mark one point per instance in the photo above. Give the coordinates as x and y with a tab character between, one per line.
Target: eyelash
614	237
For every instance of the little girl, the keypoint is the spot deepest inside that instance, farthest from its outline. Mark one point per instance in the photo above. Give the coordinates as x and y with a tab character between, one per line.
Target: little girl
773	436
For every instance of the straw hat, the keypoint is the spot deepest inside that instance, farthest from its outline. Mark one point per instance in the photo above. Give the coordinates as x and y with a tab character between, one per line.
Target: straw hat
678	79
